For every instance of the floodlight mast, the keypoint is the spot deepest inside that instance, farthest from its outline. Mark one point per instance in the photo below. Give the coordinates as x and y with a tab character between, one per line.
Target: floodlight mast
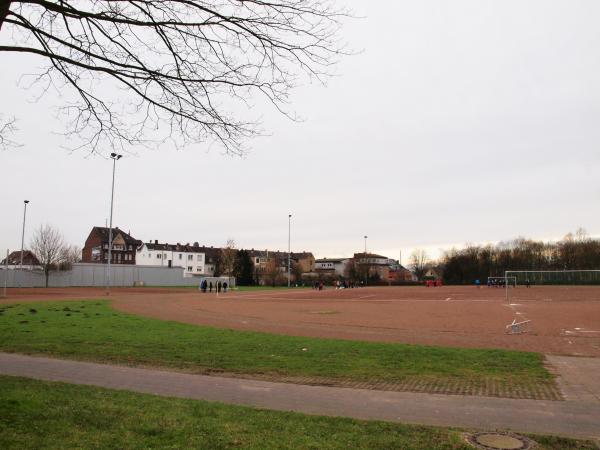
289	248
25	202
115	157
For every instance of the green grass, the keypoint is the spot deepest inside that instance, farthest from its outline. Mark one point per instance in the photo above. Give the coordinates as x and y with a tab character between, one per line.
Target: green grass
47	415
92	330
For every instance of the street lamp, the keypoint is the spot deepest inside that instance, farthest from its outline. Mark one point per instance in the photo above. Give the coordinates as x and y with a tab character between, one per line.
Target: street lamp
289	251
115	157
366	245
23	233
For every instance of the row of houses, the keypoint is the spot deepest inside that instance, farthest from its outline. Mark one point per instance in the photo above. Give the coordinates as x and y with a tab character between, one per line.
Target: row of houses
195	259
200	260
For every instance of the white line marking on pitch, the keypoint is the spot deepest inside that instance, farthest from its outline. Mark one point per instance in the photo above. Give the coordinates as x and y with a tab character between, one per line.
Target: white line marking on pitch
449	298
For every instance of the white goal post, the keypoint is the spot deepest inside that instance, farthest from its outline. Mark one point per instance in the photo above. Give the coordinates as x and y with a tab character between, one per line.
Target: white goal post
553	277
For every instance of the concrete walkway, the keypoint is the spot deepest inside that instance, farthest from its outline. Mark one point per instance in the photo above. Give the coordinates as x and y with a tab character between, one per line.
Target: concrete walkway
578	418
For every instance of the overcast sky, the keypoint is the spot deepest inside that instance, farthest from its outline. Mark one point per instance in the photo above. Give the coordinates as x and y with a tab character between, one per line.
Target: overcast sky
462	121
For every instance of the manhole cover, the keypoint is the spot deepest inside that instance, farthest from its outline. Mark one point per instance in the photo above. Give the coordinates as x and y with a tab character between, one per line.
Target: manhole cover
500	441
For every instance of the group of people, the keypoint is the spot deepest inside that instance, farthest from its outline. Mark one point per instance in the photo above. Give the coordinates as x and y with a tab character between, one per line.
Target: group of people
338	284
218	286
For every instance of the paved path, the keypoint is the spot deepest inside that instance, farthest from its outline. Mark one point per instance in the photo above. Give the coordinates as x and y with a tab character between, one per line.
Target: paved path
579	378
569	418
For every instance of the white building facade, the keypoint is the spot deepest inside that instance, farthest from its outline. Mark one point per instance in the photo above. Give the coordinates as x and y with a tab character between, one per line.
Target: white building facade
335	266
190	258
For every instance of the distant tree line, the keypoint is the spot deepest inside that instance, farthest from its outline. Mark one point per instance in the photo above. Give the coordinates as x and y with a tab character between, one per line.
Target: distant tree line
574	252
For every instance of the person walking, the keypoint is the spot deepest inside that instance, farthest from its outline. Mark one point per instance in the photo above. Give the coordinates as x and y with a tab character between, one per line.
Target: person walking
210	287
225	286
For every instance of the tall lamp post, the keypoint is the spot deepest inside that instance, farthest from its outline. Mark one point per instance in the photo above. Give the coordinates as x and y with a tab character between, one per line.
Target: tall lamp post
25	202
366	262
115	157
289	247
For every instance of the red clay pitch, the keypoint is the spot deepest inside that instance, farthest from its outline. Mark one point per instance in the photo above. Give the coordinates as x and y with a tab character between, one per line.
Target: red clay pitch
566	320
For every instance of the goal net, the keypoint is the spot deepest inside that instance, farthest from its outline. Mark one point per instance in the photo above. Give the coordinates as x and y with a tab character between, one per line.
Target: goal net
565	278
555	277
502	281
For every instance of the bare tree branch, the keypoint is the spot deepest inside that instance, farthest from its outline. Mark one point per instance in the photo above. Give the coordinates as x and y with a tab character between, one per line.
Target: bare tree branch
146	71
7	128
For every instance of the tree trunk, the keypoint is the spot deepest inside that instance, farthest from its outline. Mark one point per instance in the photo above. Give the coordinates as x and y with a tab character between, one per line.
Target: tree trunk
4	5
47	273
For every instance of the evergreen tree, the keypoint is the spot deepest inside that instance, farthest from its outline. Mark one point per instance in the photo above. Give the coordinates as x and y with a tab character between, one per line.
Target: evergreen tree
243	269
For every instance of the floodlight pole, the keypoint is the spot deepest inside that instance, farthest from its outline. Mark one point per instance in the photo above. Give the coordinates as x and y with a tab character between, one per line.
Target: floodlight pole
25	202
115	157
366	262
5	273
289	247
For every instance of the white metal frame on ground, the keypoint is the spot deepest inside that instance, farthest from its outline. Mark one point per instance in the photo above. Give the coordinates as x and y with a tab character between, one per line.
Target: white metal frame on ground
543	271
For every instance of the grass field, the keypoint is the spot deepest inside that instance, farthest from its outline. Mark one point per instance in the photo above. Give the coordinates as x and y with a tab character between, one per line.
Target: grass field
45	415
91	330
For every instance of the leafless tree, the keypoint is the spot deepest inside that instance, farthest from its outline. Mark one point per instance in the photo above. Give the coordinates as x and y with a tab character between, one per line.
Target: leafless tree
296	271
7	128
272	272
419	262
49	247
178	70
227	259
71	255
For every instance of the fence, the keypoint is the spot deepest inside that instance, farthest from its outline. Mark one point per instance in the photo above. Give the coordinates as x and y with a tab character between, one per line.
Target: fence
83	274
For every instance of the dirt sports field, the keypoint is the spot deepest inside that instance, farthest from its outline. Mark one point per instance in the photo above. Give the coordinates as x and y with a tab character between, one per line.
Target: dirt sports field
565	320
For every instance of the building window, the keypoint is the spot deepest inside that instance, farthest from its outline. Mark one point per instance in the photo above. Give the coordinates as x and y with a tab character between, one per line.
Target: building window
198	269
189	268
105	246
190	257
180	256
199	257
130	247
158	256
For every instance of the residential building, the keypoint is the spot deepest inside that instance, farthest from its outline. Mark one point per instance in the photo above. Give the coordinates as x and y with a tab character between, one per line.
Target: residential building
123	250
195	260
399	273
13	261
263	260
377	265
332	266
